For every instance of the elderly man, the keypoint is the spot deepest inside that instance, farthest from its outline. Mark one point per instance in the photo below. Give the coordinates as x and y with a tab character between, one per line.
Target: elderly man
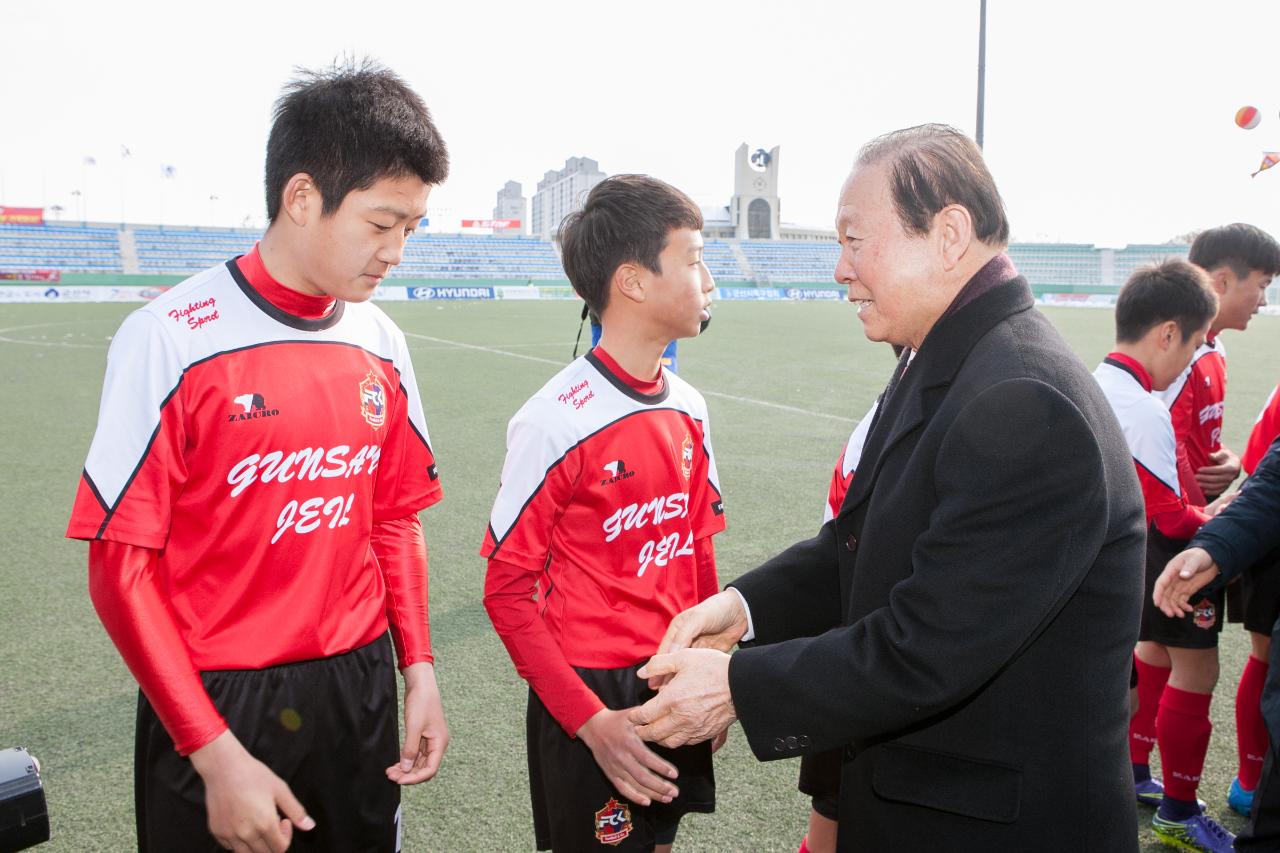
963	627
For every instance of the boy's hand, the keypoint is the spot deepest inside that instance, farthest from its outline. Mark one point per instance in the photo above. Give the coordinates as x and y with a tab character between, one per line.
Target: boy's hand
1221	472
638	772
426	734
245	800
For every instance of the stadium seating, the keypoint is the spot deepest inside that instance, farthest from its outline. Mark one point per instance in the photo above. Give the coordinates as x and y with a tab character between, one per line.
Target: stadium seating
185	250
69	248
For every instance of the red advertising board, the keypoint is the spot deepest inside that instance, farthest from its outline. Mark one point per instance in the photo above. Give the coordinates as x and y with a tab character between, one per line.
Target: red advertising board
22	215
30	275
491	223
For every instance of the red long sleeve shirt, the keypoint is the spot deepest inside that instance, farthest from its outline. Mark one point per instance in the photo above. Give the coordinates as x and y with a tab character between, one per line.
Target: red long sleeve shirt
252	487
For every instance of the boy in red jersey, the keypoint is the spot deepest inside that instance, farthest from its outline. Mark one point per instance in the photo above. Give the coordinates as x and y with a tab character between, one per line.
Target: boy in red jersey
1241	260
1162	315
601	531
251	499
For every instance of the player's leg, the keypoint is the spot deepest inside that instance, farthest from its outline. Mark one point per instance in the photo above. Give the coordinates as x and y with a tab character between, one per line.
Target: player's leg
1152	665
821	837
328	728
820	779
168	793
1260	595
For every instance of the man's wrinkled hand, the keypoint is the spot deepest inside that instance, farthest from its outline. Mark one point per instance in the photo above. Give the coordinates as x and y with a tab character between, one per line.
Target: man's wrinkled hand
693	705
1184	576
717	623
639	773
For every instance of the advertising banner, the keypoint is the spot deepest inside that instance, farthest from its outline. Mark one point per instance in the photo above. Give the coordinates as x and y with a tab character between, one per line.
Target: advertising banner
451	293
491	223
30	275
22	215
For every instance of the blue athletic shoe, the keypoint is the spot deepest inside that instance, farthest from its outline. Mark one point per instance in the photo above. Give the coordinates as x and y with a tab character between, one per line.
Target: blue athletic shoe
1201	834
1240	799
1149	792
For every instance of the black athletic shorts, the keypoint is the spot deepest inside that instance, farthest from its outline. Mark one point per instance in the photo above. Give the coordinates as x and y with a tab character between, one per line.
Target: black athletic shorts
820	779
1260	594
326	727
1196	630
575	808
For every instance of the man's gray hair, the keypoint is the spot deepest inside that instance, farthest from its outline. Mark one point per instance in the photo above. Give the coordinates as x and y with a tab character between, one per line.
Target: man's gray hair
932	166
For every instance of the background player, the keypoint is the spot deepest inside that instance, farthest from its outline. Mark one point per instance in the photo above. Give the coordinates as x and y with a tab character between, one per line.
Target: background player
251	497
1162	316
1241	260
601	531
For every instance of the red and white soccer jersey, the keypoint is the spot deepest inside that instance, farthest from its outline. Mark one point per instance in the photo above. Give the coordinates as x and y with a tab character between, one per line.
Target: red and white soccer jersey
1196	401
847	464
1264	433
255	450
1148	430
605	491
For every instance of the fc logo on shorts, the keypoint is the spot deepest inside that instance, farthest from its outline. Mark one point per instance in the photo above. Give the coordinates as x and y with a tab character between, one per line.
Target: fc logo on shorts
1205	615
613	822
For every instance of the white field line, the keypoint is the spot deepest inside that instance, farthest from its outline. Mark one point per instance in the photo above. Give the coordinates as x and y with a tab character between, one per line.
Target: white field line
63	344
734	397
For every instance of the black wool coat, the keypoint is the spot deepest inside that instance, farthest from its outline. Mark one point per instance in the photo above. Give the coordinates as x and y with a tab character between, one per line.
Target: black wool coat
964	627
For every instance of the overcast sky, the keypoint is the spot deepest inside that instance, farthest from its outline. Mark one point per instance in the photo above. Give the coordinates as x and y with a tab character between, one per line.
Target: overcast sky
1107	122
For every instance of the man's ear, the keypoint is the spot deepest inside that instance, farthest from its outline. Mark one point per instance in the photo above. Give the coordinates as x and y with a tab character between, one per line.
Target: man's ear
954	227
300	200
628	282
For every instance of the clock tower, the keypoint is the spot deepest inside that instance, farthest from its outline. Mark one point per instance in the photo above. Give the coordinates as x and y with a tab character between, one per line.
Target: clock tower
753	210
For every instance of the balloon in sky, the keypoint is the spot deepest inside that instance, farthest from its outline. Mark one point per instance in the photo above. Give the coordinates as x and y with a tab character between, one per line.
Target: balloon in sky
1269	159
1248	117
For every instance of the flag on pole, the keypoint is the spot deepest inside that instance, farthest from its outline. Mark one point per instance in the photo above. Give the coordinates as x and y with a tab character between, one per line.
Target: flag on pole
89	160
168	171
125	152
1269	159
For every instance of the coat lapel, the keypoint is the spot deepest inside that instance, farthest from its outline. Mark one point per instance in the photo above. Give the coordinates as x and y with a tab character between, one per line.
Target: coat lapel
935	365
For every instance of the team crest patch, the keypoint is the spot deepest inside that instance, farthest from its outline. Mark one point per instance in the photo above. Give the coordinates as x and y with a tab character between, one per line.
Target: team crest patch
686	456
373	401
613	822
1205	614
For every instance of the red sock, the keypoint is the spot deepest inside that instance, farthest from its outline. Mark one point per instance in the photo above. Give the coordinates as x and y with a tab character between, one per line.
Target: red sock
1182	729
804	845
1251	730
1142	728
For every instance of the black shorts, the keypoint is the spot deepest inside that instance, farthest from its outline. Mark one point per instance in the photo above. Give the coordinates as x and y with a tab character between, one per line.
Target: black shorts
820	779
327	727
1260	594
1196	630
575	808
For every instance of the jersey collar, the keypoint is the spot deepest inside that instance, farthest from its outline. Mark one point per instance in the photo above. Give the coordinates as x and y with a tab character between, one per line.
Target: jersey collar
1132	367
298	310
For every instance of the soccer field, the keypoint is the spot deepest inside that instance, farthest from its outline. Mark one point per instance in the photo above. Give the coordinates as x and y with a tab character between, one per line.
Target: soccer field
784	382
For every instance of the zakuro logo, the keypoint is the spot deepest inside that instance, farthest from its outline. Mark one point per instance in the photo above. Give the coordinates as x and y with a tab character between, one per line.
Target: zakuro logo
613	822
252	407
373	401
617	470
686	456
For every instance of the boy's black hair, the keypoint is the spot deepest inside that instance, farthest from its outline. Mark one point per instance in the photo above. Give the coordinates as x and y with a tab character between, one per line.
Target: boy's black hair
1240	247
626	219
1156	293
348	126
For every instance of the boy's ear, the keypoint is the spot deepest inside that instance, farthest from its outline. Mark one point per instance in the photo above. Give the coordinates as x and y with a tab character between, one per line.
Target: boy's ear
1169	334
1221	278
300	200
628	282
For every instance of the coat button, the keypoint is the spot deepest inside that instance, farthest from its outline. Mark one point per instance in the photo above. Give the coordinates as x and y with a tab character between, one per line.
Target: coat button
851	543
791	743
804	740
778	745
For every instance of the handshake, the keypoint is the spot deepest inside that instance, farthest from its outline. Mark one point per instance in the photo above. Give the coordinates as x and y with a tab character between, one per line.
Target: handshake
691	674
